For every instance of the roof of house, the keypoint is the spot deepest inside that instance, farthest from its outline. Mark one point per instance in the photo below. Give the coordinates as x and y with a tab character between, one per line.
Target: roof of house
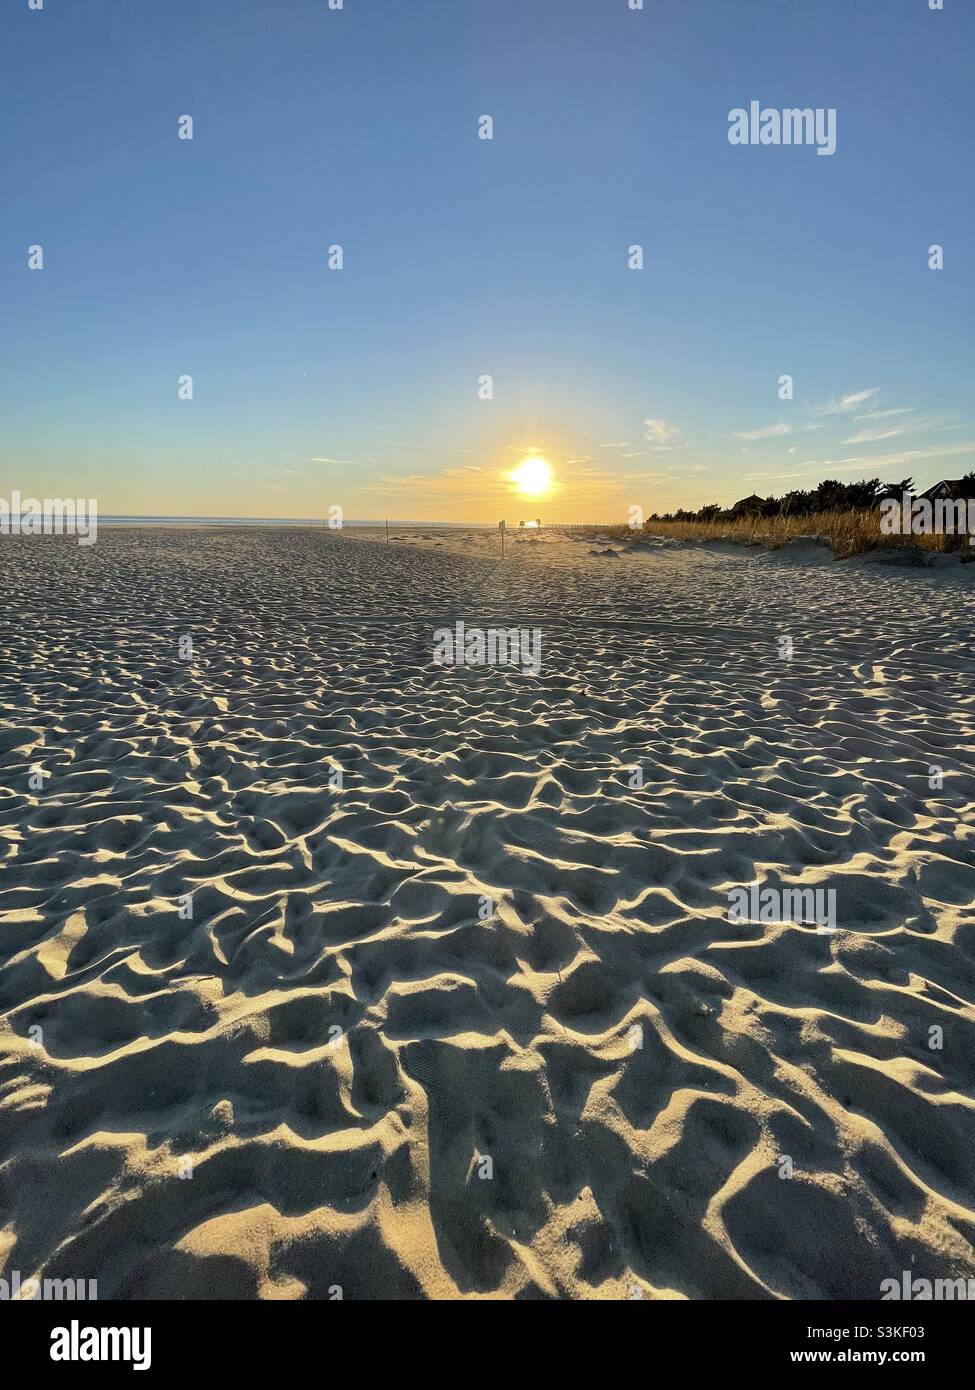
745	501
942	485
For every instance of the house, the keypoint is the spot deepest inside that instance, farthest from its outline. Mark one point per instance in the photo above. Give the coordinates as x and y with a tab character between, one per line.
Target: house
945	488
748	506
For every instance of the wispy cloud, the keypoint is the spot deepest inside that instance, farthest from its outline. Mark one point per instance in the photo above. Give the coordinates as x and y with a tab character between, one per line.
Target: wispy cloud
765	432
769	477
907	456
884	414
355	463
776	431
661	434
891	431
847	403
868	462
469	483
870	436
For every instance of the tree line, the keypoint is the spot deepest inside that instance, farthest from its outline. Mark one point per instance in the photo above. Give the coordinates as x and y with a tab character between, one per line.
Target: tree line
829	496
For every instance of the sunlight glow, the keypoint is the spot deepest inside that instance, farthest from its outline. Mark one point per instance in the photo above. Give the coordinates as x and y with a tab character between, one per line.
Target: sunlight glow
533	476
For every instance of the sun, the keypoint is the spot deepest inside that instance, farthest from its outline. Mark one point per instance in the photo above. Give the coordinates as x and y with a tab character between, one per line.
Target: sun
533	476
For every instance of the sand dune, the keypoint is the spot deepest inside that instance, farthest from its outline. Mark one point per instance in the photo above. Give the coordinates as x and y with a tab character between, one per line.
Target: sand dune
344	1071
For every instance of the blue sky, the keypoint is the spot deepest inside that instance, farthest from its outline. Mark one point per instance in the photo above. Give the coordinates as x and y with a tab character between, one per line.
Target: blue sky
465	257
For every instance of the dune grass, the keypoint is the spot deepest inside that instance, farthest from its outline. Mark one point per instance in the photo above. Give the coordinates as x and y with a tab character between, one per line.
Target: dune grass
848	532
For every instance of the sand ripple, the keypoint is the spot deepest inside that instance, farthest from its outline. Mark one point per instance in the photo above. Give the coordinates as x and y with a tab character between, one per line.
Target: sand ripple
342	1035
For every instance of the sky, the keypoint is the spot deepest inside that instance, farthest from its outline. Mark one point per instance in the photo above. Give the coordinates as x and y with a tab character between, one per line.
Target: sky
465	258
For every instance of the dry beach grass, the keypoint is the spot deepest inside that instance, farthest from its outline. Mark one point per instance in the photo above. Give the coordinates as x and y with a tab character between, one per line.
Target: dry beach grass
338	1038
847	532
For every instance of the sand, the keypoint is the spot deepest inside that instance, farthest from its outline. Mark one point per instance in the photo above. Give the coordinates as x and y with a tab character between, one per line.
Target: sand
345	1075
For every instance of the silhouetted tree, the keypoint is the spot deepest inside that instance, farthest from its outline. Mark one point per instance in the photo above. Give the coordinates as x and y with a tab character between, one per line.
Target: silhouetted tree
897	490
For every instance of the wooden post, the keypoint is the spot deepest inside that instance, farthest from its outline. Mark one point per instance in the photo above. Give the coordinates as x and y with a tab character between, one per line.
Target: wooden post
387	530
501	529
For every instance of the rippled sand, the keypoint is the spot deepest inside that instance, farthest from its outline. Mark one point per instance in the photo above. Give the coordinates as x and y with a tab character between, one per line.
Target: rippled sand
298	1090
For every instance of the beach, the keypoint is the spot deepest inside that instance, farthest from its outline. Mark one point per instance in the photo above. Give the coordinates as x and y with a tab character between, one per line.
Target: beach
330	970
